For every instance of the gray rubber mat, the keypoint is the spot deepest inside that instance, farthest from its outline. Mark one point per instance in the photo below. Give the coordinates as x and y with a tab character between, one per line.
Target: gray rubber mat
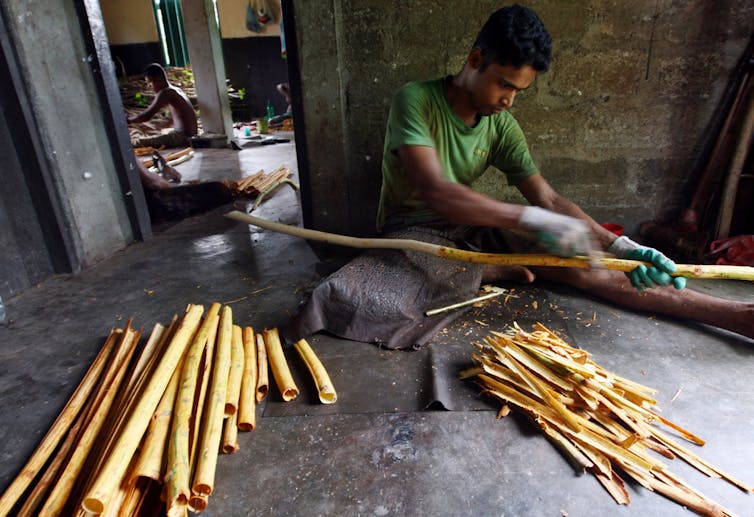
369	379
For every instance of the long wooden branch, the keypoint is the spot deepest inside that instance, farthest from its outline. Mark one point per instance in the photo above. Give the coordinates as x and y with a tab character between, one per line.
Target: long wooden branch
507	259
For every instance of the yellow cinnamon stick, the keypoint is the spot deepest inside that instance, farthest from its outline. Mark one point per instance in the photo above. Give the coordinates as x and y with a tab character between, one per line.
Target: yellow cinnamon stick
230	434
58	429
112	472
327	394
247	419
279	366
178	466
236	372
212	424
263	382
111	383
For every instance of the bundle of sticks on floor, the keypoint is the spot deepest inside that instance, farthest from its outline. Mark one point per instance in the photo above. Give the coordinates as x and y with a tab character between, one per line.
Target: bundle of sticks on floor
151	419
601	421
259	182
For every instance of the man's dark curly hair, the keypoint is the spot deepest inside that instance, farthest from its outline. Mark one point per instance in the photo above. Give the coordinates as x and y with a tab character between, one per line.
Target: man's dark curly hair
515	36
155	70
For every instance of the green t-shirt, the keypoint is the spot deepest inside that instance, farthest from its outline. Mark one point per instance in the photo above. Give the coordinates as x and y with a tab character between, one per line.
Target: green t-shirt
421	115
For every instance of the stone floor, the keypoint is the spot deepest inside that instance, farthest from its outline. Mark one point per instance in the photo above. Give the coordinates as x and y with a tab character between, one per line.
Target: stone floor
352	460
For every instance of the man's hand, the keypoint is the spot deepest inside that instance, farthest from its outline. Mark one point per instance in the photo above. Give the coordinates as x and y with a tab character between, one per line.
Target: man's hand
559	234
642	277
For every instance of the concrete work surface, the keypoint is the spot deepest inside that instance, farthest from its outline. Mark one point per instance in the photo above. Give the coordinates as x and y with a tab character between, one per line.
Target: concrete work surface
396	459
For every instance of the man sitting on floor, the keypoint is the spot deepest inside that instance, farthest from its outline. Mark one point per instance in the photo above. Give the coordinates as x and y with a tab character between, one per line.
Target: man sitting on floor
184	118
442	135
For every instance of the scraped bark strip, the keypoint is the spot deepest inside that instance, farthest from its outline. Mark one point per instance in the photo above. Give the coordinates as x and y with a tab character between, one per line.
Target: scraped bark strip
598	419
279	366
263	382
58	429
327	394
236	372
212	422
178	472
117	461
247	418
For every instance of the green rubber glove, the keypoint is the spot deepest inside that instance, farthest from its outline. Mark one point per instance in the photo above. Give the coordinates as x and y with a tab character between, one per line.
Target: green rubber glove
643	277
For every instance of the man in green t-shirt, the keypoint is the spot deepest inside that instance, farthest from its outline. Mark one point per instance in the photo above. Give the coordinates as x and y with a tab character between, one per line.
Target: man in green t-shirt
443	134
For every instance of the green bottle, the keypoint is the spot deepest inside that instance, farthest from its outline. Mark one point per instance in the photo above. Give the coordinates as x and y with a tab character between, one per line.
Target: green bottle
270	110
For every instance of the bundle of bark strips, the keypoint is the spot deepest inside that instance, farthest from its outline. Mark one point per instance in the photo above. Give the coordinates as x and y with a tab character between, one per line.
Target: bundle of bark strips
259	182
142	432
602	422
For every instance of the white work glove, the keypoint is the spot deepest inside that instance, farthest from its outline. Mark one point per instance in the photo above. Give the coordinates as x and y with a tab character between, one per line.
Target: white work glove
560	234
642	276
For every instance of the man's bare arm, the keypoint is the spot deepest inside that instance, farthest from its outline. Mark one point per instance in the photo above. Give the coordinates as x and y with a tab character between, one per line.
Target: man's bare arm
454	202
160	101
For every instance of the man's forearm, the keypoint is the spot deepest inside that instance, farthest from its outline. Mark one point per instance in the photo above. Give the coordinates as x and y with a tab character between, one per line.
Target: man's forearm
462	205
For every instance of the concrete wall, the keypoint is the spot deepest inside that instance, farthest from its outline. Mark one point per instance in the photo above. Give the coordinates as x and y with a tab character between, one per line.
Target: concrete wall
129	21
232	14
47	38
614	125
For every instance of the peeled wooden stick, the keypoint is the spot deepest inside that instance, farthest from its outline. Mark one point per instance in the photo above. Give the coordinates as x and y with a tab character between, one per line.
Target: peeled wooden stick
262	371
324	385
209	443
687	270
111	473
279	365
247	419
58	429
178	465
236	372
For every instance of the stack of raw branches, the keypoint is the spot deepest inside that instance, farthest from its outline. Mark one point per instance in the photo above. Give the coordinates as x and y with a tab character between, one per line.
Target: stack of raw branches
599	420
259	182
152	419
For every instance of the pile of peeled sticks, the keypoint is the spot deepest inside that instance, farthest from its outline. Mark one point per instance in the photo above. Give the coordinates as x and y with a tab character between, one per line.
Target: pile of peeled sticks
602	422
142	432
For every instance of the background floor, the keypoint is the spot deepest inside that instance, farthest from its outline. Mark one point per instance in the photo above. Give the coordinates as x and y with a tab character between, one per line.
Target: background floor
385	448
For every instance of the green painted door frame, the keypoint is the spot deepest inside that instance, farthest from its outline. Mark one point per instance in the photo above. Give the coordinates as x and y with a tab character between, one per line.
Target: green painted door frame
169	19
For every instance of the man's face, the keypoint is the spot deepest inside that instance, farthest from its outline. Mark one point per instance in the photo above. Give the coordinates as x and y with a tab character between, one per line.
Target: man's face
157	83
495	89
